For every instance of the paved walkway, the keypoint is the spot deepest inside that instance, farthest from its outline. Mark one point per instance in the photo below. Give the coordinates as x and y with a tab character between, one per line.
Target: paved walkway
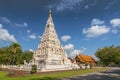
112	74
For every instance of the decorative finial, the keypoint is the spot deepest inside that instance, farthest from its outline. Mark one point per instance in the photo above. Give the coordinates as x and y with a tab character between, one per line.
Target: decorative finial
49	13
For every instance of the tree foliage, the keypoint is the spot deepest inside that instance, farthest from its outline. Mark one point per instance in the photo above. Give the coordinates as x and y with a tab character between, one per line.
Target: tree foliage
108	55
14	55
15	48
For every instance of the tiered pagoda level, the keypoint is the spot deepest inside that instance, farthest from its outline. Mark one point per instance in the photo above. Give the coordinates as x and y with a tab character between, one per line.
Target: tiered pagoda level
50	51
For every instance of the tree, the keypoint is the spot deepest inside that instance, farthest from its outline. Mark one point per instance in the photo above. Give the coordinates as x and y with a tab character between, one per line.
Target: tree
117	58
5	55
14	55
15	47
108	55
27	55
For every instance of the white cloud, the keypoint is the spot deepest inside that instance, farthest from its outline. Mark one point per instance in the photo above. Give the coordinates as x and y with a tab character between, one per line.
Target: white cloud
28	31
76	5
115	25
5	36
65	38
86	6
105	38
67	4
25	24
77	52
40	37
73	52
5	20
31	50
96	31
115	31
109	4
83	49
32	36
21	25
69	47
96	22
115	22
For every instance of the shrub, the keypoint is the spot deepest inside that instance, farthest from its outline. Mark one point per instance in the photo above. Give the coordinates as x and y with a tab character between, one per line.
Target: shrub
34	69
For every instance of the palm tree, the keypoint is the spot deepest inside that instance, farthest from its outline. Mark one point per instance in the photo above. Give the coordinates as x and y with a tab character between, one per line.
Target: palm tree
15	48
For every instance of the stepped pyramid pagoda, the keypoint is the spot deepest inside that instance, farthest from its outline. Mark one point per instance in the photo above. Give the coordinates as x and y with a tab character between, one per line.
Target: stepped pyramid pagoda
49	53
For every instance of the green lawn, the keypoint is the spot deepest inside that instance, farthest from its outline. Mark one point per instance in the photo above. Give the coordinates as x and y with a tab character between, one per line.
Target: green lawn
50	76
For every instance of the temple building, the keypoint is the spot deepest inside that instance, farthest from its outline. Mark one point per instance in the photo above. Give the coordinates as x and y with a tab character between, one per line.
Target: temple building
49	53
83	60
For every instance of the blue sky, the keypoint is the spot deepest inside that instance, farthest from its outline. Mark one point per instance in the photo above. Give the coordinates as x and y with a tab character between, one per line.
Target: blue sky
83	26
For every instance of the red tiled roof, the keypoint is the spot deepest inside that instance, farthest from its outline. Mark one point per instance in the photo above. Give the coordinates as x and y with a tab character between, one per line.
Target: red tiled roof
85	58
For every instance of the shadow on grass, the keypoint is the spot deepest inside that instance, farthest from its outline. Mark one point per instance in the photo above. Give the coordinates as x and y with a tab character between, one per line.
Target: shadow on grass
113	72
44	78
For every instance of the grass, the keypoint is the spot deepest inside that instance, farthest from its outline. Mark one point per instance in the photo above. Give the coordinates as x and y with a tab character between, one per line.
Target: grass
50	76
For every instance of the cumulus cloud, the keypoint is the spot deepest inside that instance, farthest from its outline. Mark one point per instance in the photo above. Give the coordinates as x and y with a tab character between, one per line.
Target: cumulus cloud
5	36
32	36
76	5
65	38
28	31
25	24
21	25
109	4
115	22
40	37
69	47
5	20
67	4
31	50
13	24
73	52
86	6
97	22
96	31
115	31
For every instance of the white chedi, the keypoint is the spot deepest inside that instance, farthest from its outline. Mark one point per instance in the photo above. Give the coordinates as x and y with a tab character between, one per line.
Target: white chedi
50	54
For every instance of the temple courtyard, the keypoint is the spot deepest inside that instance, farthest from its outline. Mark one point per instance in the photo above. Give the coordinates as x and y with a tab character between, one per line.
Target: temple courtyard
86	74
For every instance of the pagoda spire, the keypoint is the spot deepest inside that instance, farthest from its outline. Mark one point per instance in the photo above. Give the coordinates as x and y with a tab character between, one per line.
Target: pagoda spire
50	21
49	14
